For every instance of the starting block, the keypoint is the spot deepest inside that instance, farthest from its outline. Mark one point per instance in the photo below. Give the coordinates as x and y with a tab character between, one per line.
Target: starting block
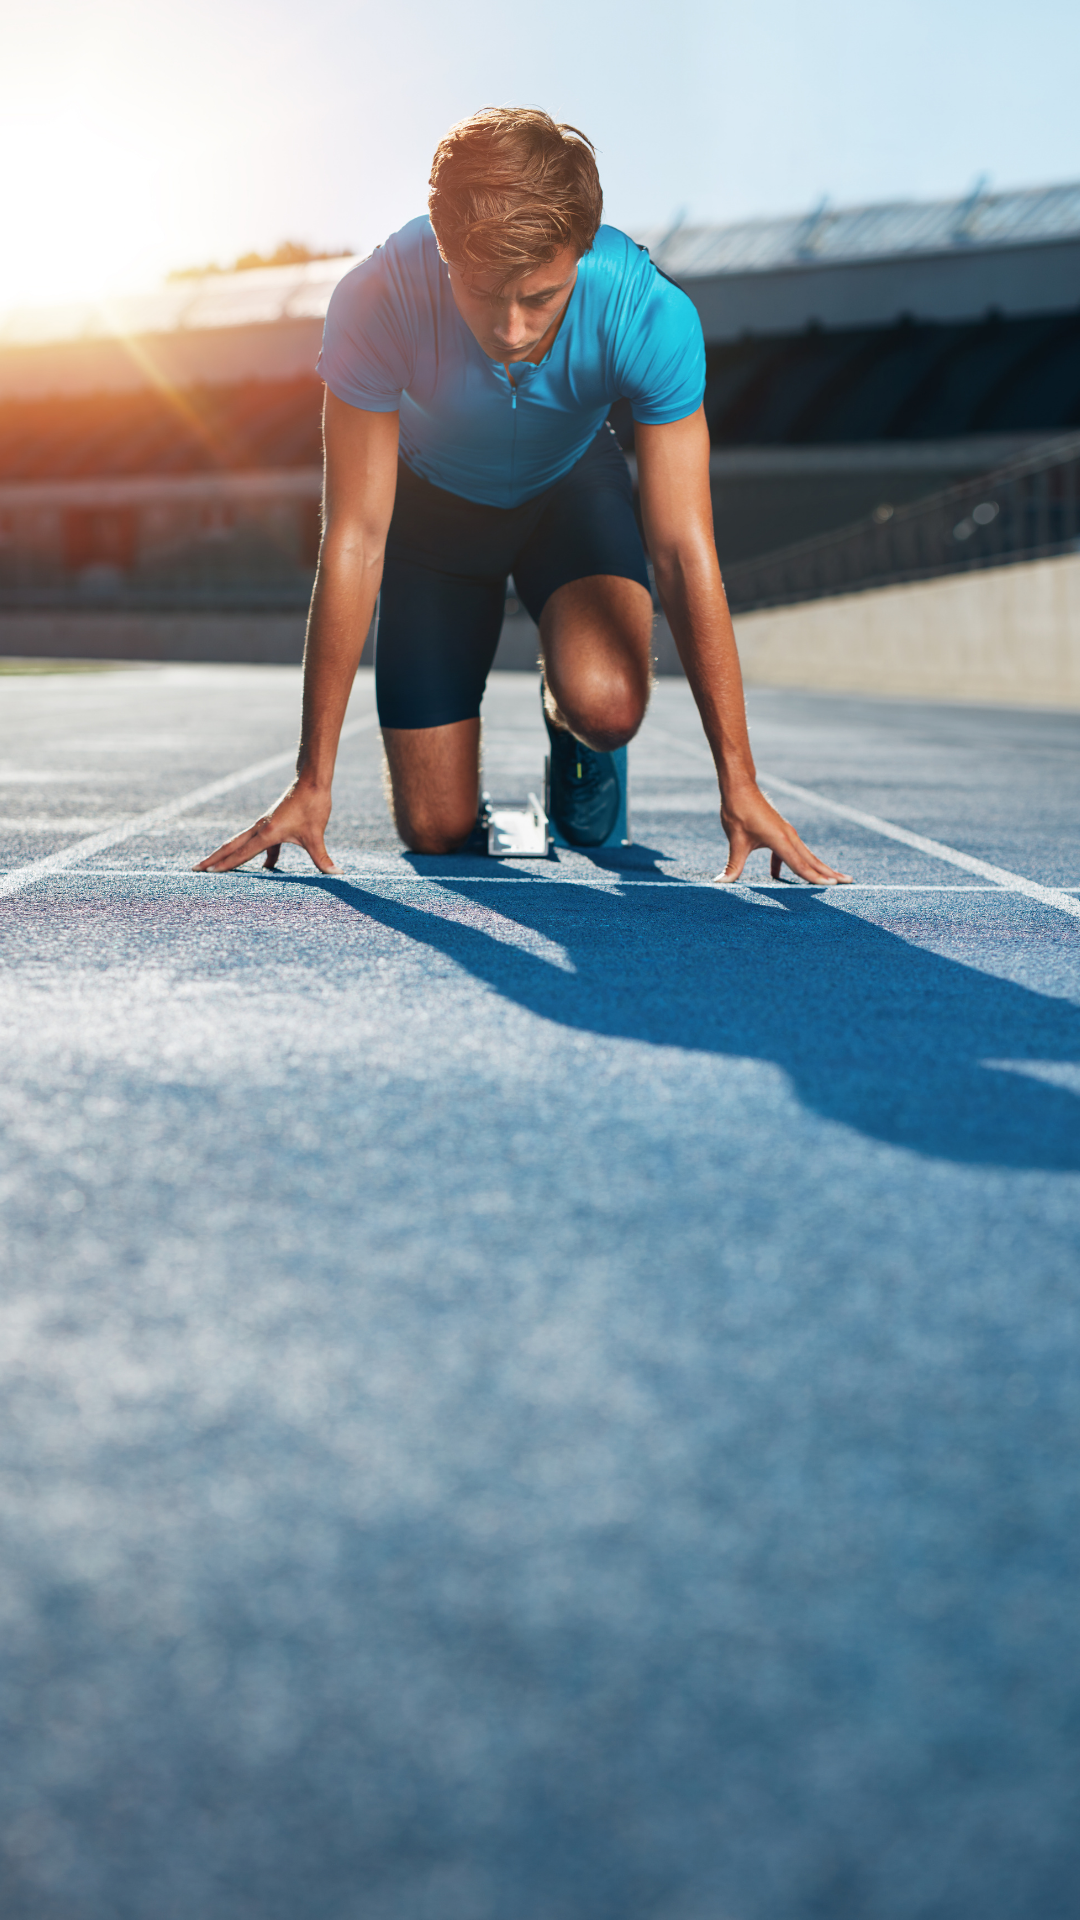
518	833
529	833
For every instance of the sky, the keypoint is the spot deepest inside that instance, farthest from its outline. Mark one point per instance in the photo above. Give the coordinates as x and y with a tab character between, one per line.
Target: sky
136	137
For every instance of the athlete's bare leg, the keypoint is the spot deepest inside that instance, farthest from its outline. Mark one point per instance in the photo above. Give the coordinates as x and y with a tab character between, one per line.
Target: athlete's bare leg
596	637
434	783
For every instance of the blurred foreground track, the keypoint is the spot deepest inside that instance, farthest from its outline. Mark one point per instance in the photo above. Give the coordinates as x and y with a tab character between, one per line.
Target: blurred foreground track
547	1389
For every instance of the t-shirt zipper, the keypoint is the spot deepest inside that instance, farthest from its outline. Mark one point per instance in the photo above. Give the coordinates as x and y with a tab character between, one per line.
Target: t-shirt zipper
513	436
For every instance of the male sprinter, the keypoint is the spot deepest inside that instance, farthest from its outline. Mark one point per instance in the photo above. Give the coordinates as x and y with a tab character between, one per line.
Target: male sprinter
470	365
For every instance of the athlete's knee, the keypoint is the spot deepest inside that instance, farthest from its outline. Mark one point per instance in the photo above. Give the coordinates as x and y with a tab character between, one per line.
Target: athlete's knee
435	839
606	716
425	830
618	727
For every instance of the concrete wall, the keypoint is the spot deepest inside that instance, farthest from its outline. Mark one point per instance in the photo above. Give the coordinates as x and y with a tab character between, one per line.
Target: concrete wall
962	284
254	639
1010	634
262	639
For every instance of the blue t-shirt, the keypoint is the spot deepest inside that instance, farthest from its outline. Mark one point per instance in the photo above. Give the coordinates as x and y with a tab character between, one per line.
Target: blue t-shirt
394	339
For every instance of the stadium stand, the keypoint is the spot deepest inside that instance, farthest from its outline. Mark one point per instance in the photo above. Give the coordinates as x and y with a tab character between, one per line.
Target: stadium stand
253	425
163	452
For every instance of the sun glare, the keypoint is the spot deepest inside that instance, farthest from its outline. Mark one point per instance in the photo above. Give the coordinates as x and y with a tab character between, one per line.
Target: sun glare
121	157
86	219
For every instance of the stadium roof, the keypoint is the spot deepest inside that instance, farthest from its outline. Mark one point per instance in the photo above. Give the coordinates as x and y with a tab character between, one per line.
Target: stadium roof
848	235
258	297
826	237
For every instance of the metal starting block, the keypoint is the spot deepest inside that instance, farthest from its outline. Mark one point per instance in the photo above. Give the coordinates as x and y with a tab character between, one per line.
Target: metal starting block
518	833
528	833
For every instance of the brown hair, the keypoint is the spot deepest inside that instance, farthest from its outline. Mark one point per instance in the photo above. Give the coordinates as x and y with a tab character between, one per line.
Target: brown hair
510	187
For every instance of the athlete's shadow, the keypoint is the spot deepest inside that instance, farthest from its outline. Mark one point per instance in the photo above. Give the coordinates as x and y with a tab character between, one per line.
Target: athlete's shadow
873	1030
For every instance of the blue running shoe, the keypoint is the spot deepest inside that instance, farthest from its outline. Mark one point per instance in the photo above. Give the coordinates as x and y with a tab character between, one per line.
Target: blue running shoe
584	795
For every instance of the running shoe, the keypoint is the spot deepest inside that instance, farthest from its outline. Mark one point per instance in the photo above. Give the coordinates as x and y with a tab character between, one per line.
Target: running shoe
583	789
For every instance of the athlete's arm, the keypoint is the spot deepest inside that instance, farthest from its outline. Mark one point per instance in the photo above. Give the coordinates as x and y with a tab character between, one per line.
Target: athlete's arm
358	500
676	507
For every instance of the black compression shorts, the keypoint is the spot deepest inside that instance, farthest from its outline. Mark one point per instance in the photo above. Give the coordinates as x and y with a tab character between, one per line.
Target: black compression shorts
446	568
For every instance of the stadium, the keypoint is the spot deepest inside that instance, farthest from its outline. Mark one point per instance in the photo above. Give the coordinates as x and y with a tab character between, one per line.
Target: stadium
545	1388
159	456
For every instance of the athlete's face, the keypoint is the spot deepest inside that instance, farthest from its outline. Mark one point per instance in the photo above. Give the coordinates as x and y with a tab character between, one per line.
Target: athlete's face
513	322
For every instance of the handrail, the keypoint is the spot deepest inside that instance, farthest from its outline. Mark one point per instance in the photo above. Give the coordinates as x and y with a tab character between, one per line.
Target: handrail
1024	510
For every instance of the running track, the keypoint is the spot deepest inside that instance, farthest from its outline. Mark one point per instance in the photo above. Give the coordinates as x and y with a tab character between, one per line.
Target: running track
538	1392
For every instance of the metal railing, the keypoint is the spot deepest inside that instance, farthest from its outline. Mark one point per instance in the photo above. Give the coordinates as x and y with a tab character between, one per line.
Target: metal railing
216	542
1026	510
116	545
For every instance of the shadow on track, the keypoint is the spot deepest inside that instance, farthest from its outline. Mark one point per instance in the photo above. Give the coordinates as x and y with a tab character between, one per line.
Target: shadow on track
873	1031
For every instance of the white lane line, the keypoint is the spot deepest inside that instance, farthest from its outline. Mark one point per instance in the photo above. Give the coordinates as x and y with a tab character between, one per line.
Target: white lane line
50	776
752	886
1001	876
356	874
21	877
709	886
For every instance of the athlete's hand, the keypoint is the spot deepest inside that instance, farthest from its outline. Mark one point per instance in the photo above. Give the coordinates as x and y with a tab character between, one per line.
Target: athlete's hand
750	821
299	818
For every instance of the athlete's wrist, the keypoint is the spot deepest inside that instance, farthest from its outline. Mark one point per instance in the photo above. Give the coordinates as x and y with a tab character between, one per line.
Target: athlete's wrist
313	783
735	771
734	788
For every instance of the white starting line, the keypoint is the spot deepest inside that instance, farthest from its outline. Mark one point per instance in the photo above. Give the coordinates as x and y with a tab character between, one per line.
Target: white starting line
21	877
18	878
936	849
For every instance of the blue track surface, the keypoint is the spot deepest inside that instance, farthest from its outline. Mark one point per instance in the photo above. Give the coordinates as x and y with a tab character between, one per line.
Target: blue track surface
538	1392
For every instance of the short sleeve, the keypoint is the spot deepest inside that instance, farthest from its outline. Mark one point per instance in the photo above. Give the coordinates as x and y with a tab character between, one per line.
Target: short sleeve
366	357
661	359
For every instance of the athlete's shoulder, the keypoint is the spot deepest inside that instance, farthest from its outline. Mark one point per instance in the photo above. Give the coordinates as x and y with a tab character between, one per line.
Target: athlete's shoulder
632	291
650	330
620	264
378	317
410	254
613	255
414	245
